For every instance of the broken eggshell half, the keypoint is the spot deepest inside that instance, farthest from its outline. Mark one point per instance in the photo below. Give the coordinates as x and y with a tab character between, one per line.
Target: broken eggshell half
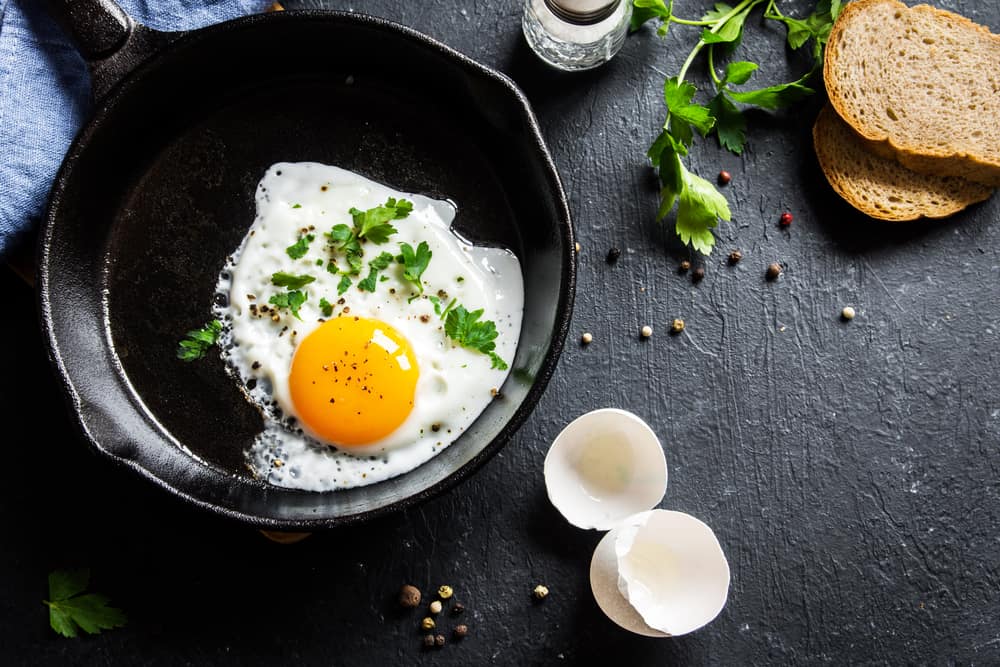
671	571
604	466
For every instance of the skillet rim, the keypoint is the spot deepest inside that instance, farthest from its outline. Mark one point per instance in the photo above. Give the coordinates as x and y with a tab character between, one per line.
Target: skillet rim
121	89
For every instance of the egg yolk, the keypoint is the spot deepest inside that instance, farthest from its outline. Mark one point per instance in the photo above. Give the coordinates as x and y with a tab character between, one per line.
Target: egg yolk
353	380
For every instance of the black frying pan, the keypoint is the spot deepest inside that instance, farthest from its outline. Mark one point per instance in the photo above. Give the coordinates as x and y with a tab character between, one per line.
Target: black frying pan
158	188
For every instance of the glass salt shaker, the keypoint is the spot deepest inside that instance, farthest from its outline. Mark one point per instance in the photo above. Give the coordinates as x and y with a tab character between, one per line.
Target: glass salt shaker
576	34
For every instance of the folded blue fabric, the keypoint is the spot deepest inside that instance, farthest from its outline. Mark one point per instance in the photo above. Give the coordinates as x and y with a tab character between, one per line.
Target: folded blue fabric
45	95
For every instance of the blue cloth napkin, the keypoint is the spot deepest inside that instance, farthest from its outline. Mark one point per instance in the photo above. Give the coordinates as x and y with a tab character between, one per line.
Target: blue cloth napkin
45	91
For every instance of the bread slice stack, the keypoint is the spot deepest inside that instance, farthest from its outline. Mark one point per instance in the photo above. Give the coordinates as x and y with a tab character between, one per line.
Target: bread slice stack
913	125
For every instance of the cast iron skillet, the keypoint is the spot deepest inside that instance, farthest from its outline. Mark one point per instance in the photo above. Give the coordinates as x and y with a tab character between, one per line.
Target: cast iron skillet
158	188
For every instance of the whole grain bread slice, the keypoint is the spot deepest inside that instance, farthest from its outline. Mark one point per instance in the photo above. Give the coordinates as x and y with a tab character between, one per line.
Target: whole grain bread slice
881	187
919	84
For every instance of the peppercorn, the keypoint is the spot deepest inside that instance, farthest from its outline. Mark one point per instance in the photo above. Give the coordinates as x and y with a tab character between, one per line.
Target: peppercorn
435	607
460	631
577	247
684	266
586	338
646	331
427	623
409	596
677	326
439	640
773	271
848	313
785	219
724	177
457	608
613	255
735	257
698	275
540	592
429	641
445	592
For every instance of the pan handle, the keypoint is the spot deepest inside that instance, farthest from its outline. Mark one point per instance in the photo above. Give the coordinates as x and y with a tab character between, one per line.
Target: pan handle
110	40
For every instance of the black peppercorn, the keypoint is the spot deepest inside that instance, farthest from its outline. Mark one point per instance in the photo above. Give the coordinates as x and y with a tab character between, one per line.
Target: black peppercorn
735	257
429	641
773	271
684	266
613	255
698	274
461	630
457	608
439	640
724	177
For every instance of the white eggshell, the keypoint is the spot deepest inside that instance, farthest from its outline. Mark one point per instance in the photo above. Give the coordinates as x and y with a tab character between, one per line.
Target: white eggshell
604	584
603	467
671	569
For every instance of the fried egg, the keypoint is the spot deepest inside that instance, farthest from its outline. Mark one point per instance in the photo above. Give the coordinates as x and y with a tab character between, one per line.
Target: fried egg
365	384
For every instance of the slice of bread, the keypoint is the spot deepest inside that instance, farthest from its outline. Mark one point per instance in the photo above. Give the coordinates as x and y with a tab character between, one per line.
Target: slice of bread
881	187
921	85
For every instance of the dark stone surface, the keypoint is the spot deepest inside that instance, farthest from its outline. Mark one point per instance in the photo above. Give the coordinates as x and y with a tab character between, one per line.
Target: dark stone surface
850	470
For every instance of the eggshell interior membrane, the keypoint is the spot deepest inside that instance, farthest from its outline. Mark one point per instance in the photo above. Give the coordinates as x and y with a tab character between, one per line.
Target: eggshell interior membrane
604	585
603	467
672	570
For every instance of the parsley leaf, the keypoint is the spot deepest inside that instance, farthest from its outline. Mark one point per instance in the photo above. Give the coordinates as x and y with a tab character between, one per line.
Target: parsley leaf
464	328
738	72
298	249
343	285
282	279
700	205
71	611
678	96
291	300
644	10
326	306
198	341
373	224
414	262
730	124
775	97
380	263
731	32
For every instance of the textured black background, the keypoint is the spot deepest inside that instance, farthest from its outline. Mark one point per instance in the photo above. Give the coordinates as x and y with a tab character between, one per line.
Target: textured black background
850	470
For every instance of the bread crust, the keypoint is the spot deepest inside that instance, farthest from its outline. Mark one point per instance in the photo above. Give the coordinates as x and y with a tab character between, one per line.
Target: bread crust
948	159
880	187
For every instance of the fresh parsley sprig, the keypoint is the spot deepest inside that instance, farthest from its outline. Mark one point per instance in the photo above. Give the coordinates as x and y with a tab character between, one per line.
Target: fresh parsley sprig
197	342
464	328
72	610
291	281
292	300
380	263
414	263
298	249
699	204
371	225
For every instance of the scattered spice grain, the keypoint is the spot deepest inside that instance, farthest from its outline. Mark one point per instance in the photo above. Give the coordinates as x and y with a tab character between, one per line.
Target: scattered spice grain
848	313
586	338
677	326
409	596
735	257
698	274
461	631
646	331
540	592
724	177
445	592
773	271
613	255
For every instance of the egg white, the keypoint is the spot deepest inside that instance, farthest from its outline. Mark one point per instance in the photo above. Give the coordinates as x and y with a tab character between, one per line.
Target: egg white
455	384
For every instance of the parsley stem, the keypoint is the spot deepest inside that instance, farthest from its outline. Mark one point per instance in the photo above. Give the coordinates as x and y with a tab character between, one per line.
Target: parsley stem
674	19
719	23
711	65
